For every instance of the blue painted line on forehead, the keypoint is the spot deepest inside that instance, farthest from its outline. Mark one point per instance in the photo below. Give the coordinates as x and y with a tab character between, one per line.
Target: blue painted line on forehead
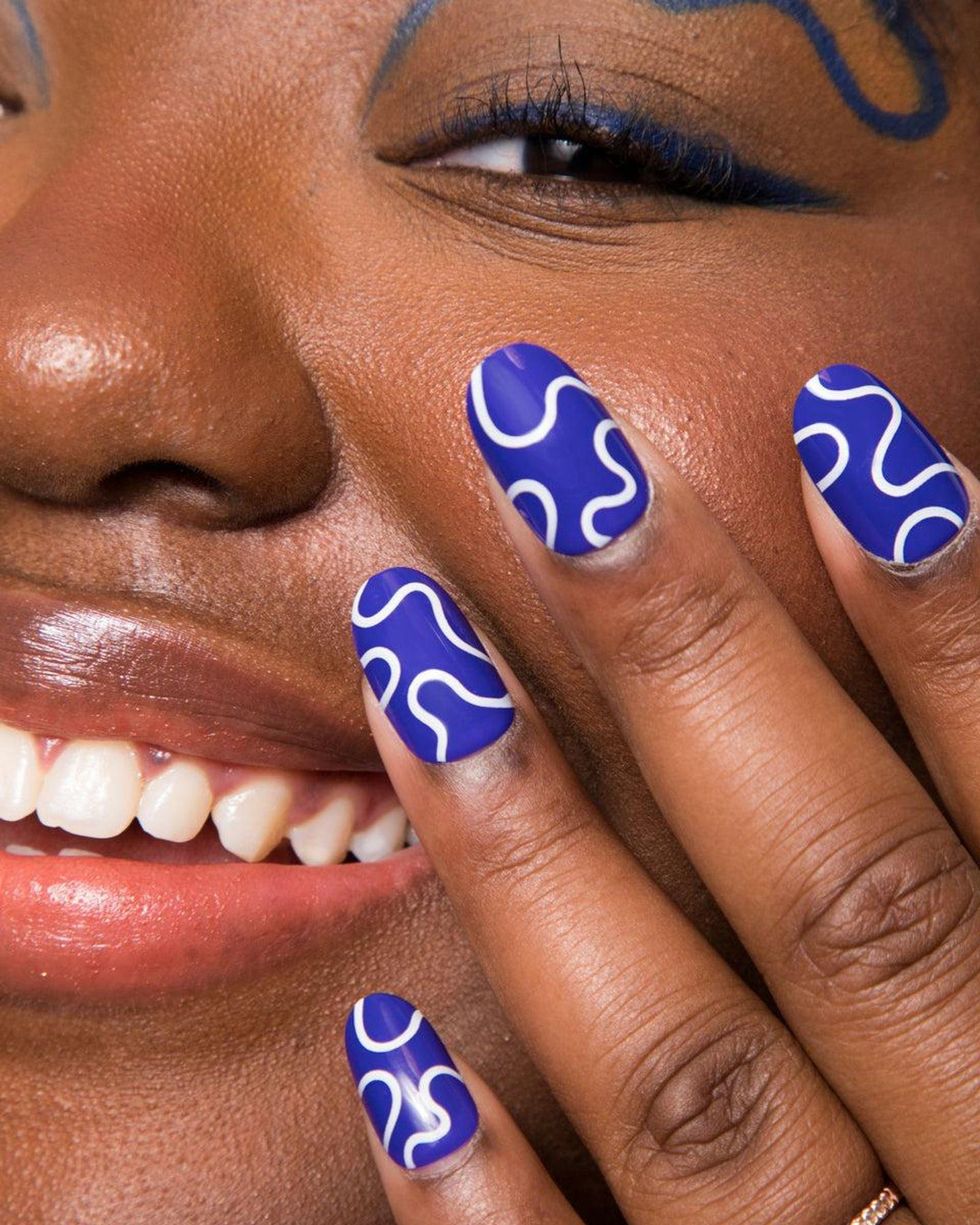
895	15
408	27
33	41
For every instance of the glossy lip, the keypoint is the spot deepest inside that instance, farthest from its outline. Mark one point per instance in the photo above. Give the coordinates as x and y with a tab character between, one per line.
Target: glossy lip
103	929
94	930
72	669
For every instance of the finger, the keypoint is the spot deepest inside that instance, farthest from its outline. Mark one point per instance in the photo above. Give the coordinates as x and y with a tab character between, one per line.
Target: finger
687	1090
850	890
447	1151
920	621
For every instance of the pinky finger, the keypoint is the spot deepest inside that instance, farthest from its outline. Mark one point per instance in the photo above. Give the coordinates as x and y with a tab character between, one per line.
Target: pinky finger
447	1151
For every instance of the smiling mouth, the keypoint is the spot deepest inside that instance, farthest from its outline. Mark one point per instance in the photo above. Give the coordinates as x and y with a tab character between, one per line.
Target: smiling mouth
119	799
179	808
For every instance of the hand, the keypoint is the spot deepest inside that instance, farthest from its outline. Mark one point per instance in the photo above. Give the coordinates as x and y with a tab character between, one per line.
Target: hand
854	892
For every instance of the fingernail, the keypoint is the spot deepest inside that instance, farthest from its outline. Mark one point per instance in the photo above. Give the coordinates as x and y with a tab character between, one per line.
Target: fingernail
427	668
879	469
562	460
412	1091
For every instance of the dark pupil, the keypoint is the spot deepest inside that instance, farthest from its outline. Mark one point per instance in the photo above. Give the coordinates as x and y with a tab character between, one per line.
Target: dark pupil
570	160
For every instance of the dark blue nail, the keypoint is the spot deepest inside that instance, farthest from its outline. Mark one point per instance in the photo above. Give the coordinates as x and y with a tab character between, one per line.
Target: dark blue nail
882	473
555	450
411	1089
427	668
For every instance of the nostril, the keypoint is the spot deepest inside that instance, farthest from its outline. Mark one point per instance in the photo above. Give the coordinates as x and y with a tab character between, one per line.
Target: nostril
157	484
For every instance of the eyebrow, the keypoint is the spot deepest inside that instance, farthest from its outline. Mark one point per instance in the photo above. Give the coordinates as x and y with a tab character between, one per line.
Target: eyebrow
32	40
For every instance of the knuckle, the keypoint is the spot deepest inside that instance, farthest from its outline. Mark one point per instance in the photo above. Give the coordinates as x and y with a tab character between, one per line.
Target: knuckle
685	627
524	841
945	627
705	1103
906	918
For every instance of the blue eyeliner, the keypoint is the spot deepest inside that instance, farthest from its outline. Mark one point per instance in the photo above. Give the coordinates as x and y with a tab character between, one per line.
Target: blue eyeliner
33	42
690	165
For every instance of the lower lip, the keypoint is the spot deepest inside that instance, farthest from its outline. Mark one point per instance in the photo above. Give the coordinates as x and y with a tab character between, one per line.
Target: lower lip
104	929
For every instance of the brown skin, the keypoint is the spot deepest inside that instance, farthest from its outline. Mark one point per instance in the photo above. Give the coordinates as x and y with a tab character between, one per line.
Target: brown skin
200	241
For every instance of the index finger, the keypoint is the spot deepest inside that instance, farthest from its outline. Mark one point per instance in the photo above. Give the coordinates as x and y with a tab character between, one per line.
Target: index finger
686	1089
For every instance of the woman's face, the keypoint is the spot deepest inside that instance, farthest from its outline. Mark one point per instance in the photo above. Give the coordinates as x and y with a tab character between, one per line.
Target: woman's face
246	270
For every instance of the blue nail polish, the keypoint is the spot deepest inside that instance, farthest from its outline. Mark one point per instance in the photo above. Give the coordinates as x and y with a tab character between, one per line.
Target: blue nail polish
882	473
552	446
411	1089
427	668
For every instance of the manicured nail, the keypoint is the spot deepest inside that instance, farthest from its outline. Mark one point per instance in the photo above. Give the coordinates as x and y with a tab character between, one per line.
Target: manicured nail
882	473
562	460
411	1089
427	668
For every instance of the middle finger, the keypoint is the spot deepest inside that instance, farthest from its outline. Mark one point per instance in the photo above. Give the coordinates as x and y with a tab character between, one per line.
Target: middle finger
850	890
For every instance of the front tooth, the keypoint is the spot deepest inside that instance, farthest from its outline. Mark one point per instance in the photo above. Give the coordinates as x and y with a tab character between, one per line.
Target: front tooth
21	775
176	803
92	789
16	849
323	838
251	819
76	852
384	836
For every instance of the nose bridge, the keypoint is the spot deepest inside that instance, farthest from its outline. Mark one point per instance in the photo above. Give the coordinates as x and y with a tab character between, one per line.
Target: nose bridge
137	356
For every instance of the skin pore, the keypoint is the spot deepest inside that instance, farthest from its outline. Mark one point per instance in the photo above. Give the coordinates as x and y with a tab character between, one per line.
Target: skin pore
243	291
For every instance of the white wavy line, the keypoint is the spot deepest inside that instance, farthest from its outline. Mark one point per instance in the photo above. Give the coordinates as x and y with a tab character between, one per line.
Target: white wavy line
365	622
606	501
394	675
394	1088
537	432
915	518
457	686
822	392
544	495
843	449
389	1044
441	1113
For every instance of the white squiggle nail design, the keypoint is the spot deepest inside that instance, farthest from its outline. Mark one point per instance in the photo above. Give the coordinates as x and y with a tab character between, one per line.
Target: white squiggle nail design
557	470
424	642
895	515
390	1044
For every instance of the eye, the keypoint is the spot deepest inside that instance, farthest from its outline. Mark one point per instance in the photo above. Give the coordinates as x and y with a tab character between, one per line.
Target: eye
546	157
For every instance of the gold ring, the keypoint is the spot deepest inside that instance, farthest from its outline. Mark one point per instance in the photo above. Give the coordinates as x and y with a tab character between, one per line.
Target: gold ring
884	1204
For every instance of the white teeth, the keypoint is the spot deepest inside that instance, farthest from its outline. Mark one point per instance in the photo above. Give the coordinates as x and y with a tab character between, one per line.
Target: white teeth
76	852
251	819
95	788
20	773
92	789
176	803
323	838
411	837
384	836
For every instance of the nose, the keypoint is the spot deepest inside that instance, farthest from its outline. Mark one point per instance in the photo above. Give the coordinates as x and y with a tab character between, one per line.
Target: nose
140	366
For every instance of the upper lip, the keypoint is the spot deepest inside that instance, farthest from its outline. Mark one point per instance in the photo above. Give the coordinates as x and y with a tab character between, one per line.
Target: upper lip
117	670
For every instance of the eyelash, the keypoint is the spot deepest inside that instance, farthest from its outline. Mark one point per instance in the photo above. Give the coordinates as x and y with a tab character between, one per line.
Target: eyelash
656	157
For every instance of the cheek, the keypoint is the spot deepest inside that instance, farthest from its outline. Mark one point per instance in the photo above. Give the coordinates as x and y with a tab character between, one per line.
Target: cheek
701	334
